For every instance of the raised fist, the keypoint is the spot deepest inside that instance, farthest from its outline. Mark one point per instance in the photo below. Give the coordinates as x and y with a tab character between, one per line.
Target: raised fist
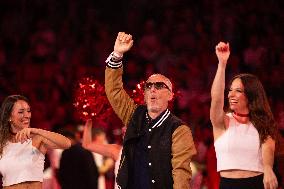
123	43
223	52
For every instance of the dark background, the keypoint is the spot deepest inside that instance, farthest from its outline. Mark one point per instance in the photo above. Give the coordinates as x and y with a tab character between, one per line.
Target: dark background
46	46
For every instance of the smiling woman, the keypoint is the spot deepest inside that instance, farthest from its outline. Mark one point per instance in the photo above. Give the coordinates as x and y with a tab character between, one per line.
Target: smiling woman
245	135
20	116
22	148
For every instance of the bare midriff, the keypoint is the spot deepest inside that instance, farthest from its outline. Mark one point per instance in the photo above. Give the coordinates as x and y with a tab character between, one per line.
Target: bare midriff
25	185
238	174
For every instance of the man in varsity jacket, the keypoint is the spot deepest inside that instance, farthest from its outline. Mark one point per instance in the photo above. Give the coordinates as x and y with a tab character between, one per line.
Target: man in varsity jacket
158	146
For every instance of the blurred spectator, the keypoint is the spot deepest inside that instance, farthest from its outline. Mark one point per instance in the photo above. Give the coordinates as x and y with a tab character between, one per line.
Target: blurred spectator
104	164
77	168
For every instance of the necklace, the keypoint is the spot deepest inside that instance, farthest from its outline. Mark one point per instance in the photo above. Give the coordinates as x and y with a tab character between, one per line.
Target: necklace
241	115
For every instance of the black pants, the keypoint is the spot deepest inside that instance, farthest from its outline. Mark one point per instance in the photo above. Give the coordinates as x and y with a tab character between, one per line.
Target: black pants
242	183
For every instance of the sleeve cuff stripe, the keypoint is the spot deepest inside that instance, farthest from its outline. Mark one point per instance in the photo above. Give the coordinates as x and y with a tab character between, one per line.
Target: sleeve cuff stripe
114	65
112	60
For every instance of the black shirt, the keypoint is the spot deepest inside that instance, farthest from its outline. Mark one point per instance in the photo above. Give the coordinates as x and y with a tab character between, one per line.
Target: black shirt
77	169
141	171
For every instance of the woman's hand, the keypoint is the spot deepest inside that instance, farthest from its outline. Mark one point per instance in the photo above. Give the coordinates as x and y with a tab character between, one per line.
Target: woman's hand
269	179
24	135
223	52
87	134
123	43
89	123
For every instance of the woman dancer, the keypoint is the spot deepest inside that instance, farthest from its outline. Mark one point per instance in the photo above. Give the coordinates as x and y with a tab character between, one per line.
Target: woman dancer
245	135
22	148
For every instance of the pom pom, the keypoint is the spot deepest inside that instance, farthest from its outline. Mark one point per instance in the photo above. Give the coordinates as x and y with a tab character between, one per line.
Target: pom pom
90	100
138	93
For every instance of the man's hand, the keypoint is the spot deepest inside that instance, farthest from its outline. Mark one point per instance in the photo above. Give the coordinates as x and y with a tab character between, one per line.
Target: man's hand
223	52
122	44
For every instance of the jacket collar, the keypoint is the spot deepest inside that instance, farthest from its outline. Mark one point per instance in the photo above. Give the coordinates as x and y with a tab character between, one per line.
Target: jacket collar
159	120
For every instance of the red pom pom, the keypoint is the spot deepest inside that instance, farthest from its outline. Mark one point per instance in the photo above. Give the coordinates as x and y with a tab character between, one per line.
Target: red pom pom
138	93
90	100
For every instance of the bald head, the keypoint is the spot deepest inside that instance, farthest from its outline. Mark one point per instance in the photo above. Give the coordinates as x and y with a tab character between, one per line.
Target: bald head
160	77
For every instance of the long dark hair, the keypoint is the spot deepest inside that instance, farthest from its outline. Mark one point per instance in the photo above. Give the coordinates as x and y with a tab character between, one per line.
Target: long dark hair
5	113
259	110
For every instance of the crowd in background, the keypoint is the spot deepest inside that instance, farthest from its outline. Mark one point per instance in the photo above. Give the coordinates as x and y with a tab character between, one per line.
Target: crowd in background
47	46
